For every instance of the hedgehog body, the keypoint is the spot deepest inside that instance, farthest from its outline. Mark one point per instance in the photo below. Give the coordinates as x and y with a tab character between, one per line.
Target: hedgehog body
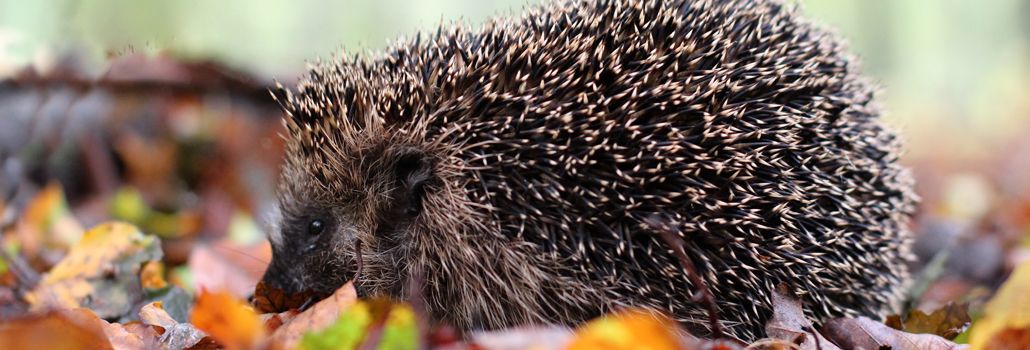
513	168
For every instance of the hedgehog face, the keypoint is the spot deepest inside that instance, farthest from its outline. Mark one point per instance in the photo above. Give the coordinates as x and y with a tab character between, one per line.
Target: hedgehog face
339	225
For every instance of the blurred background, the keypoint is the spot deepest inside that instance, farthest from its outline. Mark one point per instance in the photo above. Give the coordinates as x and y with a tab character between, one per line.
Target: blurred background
155	112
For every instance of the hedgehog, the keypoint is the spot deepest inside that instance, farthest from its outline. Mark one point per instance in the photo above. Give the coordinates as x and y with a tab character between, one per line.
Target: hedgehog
506	175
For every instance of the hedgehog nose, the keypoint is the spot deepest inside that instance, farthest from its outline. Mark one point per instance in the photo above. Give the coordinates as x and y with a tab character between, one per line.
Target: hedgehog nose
277	277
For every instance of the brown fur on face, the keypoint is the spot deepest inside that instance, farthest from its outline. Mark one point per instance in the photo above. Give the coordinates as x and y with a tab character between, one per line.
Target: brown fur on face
513	168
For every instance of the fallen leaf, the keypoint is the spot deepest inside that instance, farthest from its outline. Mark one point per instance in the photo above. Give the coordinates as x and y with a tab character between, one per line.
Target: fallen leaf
185	336
634	329
276	320
152	275
176	335
100	272
948	321
46	207
270	299
230	321
400	330
122	338
67	329
175	301
147	333
789	323
227	266
128	204
379	324
318	317
1006	320
864	333
155	314
537	338
37	332
1010	339
47	223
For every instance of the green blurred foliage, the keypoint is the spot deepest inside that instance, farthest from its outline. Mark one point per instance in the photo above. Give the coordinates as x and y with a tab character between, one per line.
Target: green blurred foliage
948	66
266	36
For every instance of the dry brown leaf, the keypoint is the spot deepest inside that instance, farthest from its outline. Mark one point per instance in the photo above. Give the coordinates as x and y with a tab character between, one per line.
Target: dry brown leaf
270	299
227	319
120	337
68	329
147	333
864	333
790	324
321	315
274	321
948	321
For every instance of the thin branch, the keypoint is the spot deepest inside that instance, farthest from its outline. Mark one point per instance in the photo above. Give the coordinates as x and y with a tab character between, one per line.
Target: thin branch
701	295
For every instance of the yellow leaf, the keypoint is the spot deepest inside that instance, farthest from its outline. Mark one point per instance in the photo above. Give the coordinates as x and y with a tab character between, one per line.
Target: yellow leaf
1006	321
153	275
634	329
41	212
228	320
47	222
108	249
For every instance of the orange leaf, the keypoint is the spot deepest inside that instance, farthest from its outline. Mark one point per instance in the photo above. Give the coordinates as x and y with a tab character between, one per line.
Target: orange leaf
634	329
67	329
227	319
152	275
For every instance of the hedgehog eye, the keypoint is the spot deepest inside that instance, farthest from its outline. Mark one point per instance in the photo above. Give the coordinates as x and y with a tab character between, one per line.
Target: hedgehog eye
315	227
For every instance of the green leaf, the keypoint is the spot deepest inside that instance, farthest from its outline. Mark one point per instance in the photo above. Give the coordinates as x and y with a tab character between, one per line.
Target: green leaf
354	325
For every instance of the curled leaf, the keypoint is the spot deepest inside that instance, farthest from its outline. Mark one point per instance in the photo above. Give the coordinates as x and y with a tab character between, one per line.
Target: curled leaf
864	333
790	324
318	317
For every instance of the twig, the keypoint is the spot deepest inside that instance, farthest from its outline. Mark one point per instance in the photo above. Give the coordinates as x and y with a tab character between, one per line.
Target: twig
815	337
701	295
417	299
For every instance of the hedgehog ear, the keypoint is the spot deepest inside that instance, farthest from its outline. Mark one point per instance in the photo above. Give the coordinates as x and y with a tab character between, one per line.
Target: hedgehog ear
413	170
